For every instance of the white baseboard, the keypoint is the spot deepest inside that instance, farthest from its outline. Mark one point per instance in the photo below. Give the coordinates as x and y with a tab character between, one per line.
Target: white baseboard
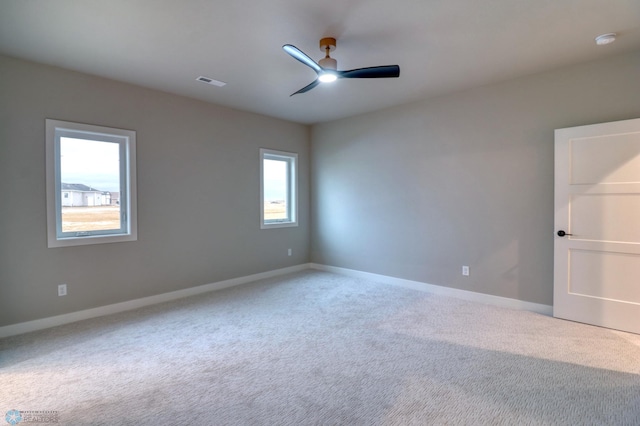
41	324
471	296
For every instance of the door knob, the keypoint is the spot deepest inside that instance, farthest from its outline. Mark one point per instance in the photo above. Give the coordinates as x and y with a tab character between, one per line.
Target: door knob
561	233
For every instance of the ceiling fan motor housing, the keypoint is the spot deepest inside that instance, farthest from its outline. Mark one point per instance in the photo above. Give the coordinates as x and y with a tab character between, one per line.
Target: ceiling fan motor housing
328	63
328	44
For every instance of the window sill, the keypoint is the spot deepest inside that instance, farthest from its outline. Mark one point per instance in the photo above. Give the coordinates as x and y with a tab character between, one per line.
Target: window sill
278	225
88	240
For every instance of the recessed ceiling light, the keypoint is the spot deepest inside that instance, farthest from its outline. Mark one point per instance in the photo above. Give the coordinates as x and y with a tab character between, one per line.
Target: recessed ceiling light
211	81
603	39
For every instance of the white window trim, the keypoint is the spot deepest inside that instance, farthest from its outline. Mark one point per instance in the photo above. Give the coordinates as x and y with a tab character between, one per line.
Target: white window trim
292	159
53	189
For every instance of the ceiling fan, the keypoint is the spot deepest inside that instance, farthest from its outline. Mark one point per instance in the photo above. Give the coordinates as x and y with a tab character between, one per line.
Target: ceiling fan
327	67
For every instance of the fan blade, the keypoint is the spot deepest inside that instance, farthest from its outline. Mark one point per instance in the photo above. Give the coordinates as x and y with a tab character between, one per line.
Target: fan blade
384	71
302	57
307	87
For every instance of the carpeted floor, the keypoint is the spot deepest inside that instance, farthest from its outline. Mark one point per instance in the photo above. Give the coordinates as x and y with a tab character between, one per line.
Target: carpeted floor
315	348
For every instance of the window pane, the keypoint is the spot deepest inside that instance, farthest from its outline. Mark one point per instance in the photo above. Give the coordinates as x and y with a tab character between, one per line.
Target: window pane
275	190
278	189
90	185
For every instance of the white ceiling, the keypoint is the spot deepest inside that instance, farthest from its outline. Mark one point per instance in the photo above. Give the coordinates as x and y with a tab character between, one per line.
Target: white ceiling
442	46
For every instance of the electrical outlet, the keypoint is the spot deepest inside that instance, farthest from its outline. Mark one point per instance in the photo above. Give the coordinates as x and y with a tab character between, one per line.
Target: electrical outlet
465	271
62	290
289	252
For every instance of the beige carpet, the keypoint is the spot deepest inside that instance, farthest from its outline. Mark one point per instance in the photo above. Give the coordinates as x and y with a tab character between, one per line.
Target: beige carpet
315	348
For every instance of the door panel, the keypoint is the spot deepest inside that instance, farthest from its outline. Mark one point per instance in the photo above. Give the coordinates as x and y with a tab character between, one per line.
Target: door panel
605	217
588	267
597	203
618	159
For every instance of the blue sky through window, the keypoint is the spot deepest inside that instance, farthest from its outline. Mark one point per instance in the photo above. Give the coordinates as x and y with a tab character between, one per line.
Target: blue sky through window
275	180
92	163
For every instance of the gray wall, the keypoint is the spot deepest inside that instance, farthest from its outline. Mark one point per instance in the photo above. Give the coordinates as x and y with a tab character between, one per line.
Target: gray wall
419	190
414	191
198	194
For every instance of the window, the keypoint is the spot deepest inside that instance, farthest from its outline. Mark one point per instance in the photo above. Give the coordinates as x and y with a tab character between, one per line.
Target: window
91	184
278	190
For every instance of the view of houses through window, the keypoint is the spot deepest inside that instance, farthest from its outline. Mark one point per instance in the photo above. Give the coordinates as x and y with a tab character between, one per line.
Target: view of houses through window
89	185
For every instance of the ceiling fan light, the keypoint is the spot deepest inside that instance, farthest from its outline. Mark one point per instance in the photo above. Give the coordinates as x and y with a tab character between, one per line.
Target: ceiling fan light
327	77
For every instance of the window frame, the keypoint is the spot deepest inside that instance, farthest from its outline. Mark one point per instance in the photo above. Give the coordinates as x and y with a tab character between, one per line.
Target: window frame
291	159
126	140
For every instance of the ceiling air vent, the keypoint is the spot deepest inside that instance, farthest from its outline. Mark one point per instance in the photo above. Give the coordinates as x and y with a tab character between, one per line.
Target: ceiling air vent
211	81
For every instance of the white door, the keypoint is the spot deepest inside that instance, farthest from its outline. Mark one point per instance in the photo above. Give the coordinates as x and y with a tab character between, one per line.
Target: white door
597	205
